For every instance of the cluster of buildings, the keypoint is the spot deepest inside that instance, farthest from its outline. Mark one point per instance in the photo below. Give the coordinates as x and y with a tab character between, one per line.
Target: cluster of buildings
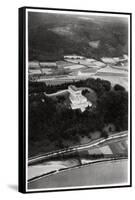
78	101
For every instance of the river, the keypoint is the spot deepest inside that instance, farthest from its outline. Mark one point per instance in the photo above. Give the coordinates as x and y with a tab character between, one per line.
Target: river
98	174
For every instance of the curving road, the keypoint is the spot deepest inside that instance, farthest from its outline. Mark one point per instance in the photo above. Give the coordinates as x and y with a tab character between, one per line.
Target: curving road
94	143
56	93
66	90
98	174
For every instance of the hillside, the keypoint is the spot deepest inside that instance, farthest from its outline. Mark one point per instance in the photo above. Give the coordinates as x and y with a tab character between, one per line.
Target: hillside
53	35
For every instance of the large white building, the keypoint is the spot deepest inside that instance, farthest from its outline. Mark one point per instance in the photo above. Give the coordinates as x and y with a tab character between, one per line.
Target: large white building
78	101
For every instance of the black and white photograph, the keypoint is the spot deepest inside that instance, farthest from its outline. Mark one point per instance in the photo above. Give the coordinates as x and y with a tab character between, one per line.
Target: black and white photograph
77	90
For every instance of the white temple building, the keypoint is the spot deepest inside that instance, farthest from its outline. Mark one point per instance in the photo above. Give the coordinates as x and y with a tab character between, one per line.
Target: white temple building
78	101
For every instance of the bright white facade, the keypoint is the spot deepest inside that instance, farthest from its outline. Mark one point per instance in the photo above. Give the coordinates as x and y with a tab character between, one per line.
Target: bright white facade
78	101
73	57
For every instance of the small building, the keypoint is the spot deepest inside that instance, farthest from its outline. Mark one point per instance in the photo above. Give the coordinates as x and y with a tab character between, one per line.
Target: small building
78	101
73	57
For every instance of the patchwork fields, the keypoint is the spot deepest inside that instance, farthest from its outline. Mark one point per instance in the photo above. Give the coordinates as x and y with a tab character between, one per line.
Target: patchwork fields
96	151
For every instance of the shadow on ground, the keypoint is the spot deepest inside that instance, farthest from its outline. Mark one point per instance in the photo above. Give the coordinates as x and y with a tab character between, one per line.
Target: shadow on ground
13	187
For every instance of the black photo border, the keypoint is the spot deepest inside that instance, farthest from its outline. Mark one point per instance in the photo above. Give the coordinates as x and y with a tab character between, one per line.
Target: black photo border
22	100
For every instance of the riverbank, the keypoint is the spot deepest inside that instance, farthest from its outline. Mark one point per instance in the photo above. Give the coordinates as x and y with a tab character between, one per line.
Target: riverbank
103	173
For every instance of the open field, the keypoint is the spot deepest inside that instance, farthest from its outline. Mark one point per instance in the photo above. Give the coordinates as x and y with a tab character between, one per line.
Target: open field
50	166
34	71
121	78
80	69
74	67
96	150
87	62
109	172
46	70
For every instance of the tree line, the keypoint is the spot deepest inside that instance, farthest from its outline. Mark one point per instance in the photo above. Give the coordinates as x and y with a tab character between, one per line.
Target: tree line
57	124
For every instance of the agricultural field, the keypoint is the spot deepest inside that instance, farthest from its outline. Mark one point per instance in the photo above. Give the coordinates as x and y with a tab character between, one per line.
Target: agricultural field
33	65
35	71
87	62
46	70
74	67
70	166
108	149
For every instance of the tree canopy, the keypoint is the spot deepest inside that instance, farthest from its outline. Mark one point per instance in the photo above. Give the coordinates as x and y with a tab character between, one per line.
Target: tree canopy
50	120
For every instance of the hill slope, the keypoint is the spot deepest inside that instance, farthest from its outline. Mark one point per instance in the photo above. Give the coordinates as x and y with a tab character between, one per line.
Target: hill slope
53	35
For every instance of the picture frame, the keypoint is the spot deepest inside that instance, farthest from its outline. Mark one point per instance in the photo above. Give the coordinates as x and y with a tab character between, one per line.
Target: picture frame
74	66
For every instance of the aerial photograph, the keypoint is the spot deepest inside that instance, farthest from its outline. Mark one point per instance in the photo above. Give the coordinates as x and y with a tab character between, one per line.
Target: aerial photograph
78	100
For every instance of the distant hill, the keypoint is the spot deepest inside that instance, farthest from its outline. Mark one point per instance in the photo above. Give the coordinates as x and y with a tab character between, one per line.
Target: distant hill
53	35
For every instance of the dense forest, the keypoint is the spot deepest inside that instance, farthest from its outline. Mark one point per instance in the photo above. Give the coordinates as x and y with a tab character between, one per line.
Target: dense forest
98	85
51	36
51	123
